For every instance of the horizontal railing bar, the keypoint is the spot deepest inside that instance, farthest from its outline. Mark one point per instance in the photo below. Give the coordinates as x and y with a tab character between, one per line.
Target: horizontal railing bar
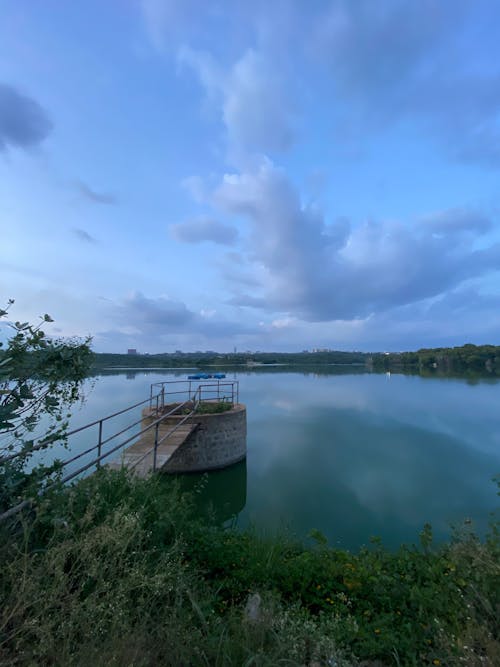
79	456
209	389
74	474
188	416
103	442
133	465
202	382
14	510
161	384
41	445
155	384
115	414
115	435
136	463
214	391
20	506
122	444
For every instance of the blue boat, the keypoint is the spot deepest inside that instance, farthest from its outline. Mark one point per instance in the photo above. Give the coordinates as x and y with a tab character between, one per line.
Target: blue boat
207	376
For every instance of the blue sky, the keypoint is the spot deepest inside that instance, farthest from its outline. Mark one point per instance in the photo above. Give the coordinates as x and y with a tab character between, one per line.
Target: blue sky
178	174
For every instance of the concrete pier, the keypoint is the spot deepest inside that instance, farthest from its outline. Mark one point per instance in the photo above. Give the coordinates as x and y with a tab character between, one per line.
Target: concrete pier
200	443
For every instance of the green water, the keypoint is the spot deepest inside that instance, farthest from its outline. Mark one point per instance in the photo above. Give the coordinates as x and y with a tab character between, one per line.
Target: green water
353	455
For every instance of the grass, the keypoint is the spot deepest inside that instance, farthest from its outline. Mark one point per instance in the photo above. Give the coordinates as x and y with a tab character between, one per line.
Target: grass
118	571
213	407
208	408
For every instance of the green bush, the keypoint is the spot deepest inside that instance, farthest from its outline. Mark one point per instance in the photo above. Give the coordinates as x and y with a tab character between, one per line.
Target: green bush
118	570
212	408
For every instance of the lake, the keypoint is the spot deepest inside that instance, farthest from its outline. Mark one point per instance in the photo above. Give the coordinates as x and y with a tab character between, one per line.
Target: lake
349	453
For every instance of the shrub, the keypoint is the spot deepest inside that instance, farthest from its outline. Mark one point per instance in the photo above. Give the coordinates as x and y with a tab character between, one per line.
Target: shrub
118	570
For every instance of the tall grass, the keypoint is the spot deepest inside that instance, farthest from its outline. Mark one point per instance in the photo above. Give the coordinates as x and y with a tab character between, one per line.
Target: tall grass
118	571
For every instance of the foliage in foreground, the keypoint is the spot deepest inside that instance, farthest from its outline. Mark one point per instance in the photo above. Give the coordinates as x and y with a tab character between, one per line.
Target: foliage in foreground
117	571
40	378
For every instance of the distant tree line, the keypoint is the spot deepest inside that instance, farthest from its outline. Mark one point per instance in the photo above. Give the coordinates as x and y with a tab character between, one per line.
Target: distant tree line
201	359
480	359
475	358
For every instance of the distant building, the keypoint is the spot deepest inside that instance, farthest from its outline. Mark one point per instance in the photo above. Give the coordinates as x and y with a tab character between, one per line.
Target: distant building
132	350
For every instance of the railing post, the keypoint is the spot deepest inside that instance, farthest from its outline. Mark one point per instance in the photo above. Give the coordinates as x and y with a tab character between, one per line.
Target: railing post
218	390
156	447
99	445
162	396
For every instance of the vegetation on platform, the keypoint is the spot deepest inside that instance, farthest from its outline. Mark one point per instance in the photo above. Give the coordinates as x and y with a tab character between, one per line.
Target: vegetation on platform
213	407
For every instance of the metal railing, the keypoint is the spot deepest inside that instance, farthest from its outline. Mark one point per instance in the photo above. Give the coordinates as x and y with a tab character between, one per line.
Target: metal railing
193	394
158	441
218	390
42	443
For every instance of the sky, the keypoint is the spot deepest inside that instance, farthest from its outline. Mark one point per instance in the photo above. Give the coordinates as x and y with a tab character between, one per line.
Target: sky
193	175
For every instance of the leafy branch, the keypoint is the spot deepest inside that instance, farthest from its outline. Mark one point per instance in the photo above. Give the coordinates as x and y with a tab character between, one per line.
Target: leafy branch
40	378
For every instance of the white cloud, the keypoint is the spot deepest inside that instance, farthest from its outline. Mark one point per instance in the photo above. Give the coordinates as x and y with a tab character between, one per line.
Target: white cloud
456	221
376	64
283	323
390	61
252	97
317	271
167	19
256	108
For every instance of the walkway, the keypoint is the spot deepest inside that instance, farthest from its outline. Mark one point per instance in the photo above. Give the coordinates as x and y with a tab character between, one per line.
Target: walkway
141	456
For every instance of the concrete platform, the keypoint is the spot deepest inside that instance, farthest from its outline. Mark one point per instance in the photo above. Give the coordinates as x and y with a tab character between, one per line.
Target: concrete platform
165	450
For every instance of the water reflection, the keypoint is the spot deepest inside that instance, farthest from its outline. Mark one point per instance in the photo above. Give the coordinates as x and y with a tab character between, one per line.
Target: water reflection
221	494
352	454
356	475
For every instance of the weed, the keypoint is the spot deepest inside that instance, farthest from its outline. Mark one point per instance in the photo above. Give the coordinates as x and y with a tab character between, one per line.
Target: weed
118	570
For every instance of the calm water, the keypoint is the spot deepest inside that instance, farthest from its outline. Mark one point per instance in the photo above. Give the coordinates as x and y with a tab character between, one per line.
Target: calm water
353	455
